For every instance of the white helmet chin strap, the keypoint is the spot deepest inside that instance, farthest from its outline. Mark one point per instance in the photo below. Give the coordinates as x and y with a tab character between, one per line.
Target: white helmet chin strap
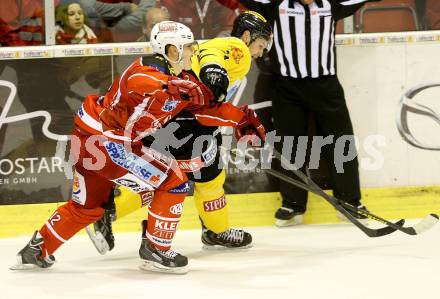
172	61
178	61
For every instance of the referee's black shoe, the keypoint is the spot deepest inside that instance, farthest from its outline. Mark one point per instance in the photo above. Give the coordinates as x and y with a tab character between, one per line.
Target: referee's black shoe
362	219
288	217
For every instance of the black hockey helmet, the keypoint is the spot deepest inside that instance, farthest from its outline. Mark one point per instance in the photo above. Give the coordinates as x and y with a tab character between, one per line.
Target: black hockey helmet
257	25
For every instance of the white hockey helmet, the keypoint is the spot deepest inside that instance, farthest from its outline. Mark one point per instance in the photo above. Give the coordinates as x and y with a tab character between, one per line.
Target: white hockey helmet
170	33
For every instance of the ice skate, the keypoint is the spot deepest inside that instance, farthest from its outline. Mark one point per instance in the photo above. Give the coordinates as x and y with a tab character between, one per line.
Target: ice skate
231	239
153	259
285	217
30	257
102	232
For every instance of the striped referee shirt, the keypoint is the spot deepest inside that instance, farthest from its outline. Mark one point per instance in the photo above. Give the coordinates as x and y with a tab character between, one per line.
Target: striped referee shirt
304	35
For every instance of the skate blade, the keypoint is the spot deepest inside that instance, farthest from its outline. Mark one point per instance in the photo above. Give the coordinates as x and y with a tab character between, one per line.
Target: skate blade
20	266
156	267
296	220
98	241
221	247
25	267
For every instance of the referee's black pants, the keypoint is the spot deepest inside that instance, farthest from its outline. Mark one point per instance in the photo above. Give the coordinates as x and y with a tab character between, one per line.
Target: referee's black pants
293	101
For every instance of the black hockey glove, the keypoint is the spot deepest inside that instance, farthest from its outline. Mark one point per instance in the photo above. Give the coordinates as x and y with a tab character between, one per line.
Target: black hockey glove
216	78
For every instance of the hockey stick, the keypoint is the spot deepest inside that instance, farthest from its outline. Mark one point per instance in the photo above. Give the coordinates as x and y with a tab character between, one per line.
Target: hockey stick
334	202
338	205
425	224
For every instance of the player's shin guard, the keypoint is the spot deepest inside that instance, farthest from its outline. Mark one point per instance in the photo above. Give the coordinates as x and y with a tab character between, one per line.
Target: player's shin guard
67	220
163	217
210	201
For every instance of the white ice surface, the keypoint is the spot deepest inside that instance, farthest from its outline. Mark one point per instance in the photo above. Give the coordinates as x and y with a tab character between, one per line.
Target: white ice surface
322	262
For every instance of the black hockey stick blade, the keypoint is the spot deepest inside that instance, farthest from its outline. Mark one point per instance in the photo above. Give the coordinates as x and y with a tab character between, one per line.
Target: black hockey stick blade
373	233
338	205
388	229
425	224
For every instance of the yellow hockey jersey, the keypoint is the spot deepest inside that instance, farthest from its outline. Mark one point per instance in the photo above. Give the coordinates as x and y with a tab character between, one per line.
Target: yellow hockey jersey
231	53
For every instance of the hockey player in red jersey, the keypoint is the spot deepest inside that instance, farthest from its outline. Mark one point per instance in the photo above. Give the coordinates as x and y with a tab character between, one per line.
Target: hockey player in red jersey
106	144
221	64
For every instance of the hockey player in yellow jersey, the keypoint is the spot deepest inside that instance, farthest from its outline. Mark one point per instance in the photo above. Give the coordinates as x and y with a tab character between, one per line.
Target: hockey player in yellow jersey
224	56
221	64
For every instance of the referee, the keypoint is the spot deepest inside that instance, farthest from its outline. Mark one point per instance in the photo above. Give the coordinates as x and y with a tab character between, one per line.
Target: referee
303	60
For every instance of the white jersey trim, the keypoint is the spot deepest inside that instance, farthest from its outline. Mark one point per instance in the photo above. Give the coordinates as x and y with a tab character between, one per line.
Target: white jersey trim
117	96
152	240
88	120
145	75
352	2
52	230
118	137
162	217
217	118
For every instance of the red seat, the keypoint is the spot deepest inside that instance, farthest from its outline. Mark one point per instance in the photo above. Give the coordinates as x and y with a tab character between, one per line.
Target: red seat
387	16
433	14
340	27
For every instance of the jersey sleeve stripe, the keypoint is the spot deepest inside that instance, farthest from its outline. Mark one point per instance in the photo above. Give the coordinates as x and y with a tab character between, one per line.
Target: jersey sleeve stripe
216	118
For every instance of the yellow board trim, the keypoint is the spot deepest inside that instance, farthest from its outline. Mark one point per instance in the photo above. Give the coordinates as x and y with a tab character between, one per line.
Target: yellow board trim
255	209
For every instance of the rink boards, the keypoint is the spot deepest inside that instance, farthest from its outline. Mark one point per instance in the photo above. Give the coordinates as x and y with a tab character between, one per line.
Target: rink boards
246	210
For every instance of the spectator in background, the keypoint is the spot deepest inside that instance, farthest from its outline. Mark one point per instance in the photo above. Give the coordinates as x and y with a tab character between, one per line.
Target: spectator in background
21	22
206	18
71	27
129	27
233	4
152	17
100	15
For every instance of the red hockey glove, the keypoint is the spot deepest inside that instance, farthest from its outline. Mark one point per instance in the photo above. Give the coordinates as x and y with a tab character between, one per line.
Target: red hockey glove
251	126
186	90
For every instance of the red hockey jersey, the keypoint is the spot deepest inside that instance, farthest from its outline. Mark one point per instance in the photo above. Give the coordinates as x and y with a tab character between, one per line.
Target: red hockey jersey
137	104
